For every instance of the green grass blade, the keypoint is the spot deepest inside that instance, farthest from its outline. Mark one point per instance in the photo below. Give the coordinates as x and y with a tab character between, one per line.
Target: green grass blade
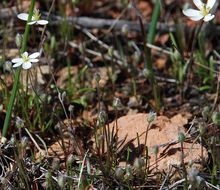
154	20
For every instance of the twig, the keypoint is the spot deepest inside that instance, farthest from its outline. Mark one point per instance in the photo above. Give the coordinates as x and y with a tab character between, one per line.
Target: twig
81	170
176	183
88	22
210	185
166	178
31	137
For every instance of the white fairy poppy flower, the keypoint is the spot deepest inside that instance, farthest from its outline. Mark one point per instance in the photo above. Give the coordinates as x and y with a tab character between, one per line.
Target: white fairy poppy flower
26	60
202	13
36	18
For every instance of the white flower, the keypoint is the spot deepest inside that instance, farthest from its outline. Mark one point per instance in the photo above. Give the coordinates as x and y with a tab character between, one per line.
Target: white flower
35	18
202	13
25	60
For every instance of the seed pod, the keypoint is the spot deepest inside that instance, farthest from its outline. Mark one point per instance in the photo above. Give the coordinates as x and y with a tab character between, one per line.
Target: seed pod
18	40
138	164
181	137
117	103
151	117
155	149
24	142
102	118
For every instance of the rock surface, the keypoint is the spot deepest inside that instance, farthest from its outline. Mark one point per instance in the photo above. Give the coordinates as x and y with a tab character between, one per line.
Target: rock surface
162	133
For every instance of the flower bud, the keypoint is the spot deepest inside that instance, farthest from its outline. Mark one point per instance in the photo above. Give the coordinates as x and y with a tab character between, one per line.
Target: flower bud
18	40
24	142
117	103
138	164
151	117
7	66
155	149
102	118
181	137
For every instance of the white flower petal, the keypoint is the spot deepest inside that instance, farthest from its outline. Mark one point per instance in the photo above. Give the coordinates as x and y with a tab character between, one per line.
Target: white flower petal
208	17
26	65
196	18
42	22
34	60
23	16
17	64
210	4
199	4
34	55
25	54
191	12
32	22
16	60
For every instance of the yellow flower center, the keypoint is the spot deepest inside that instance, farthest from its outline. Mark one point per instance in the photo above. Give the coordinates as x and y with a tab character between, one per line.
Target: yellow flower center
25	58
36	15
205	10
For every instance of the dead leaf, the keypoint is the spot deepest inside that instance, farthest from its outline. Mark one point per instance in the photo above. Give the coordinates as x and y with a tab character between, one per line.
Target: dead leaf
62	75
160	63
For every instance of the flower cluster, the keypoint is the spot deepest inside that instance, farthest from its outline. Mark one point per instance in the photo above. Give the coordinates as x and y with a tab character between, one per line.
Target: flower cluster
202	13
26	60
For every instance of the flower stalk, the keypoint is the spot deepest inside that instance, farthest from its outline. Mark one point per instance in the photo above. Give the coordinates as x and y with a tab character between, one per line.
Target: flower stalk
17	74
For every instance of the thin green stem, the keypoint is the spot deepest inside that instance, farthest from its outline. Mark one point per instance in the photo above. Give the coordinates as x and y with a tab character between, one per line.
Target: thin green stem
150	38
17	74
189	67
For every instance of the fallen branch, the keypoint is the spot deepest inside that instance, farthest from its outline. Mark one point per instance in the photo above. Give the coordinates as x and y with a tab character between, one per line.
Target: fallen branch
100	23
